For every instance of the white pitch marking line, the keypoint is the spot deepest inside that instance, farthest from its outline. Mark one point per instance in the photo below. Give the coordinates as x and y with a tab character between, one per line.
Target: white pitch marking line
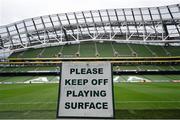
146	101
31	103
115	102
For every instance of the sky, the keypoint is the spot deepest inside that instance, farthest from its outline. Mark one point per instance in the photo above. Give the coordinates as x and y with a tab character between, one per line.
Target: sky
16	10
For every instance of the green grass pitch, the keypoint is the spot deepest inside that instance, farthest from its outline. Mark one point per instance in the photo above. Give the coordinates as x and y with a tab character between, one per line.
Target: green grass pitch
132	100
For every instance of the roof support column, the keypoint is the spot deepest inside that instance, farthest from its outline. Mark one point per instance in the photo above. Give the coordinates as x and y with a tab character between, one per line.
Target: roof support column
9	36
135	22
86	24
173	20
127	27
36	29
62	29
78	27
145	31
95	27
19	35
119	25
69	24
53	26
45	30
27	35
153	24
1	42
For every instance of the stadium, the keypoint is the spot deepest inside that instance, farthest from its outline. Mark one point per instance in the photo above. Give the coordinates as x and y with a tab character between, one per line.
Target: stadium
142	44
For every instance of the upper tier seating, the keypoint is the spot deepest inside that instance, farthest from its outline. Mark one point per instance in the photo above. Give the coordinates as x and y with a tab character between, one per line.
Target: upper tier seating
97	49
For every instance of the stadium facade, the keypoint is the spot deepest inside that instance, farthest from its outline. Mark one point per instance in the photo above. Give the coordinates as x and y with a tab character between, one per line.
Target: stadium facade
137	25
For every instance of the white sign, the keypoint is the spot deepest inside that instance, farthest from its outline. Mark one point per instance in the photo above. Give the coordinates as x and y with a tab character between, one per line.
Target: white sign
86	90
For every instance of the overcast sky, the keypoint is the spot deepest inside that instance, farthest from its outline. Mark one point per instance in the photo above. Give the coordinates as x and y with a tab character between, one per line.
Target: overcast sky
15	10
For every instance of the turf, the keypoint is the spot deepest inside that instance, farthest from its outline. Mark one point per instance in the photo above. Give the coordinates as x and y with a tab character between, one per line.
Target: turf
132	100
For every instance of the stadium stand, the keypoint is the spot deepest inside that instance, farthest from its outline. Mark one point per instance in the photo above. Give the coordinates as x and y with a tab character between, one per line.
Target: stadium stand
51	52
123	50
70	50
104	49
87	49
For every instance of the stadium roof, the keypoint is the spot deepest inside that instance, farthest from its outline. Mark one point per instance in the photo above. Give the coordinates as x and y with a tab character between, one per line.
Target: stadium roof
154	24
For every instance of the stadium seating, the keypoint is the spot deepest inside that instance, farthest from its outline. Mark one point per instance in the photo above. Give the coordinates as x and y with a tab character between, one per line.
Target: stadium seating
104	49
158	50
147	67
87	49
32	53
51	52
141	50
122	49
174	51
17	54
70	50
121	67
25	69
